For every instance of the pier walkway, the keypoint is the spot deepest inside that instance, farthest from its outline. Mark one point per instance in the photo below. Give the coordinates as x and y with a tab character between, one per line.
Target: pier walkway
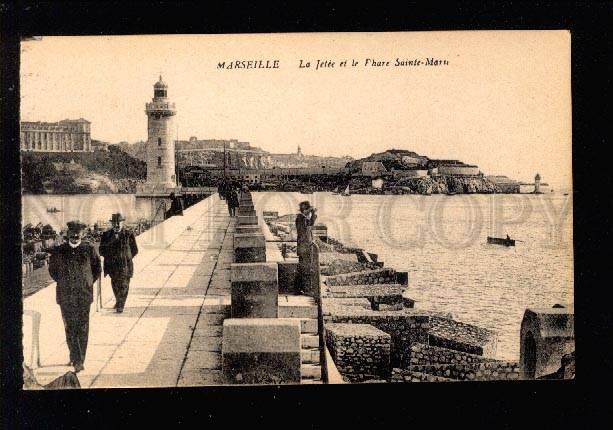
170	331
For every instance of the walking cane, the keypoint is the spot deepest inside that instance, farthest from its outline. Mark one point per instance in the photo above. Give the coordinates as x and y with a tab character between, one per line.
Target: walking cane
99	294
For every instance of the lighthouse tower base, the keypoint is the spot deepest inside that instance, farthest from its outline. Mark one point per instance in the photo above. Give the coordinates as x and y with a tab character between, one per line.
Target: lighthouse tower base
155	200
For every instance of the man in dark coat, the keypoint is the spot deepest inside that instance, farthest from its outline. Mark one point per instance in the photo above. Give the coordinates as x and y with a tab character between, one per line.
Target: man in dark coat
176	206
232	200
304	224
118	247
75	266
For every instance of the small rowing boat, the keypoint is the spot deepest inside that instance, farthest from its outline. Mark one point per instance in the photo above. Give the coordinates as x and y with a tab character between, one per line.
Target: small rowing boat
501	241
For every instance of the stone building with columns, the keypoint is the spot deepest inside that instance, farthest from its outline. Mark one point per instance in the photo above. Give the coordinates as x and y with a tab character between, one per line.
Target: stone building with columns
69	135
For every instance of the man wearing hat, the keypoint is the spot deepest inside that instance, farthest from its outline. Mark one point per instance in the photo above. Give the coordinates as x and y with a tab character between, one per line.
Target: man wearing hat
75	266
118	247
304	223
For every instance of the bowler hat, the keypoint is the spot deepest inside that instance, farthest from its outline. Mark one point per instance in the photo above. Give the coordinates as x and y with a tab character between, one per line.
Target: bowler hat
75	226
116	218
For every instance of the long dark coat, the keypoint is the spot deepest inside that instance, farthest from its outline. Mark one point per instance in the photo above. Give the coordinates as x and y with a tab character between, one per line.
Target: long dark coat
118	252
304	232
75	270
232	197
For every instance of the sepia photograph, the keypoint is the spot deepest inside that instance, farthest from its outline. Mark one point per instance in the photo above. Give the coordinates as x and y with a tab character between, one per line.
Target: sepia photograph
296	208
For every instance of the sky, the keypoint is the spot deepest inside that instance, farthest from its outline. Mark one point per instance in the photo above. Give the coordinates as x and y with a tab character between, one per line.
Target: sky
502	102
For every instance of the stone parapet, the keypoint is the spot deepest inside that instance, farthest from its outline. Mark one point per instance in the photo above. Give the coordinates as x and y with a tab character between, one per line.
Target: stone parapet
287	276
261	351
242	229
255	290
247	220
249	248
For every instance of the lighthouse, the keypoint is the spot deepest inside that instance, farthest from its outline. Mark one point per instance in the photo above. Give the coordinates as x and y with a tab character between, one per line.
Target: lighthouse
537	184
153	198
161	175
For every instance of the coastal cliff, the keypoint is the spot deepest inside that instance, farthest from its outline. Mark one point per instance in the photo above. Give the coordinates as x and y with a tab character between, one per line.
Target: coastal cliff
112	171
448	184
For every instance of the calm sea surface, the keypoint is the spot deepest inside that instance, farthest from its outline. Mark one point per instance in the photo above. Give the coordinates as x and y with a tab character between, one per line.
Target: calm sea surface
439	240
89	208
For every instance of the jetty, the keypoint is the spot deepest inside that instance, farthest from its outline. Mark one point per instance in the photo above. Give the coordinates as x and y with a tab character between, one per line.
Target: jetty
212	302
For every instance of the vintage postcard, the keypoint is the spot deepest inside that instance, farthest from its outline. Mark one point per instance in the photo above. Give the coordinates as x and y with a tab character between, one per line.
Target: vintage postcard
322	208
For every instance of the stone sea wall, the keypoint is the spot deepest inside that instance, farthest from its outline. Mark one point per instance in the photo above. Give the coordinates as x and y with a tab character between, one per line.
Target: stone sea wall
360	351
379	276
447	333
421	354
492	371
339	266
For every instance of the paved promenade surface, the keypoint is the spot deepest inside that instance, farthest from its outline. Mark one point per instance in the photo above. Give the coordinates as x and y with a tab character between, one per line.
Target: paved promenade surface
170	331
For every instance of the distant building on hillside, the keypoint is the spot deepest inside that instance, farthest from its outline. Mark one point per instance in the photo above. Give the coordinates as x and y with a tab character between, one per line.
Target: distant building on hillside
62	136
210	153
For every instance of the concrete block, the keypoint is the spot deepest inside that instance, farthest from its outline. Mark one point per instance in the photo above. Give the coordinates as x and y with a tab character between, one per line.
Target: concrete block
249	240
309	325
297	311
255	290
241	229
310	356
310	371
247	220
246	212
546	335
309	341
287	276
249	248
261	351
359	350
270	215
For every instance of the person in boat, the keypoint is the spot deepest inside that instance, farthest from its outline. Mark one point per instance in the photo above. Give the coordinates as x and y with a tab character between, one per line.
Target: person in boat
75	266
118	247
508	238
304	224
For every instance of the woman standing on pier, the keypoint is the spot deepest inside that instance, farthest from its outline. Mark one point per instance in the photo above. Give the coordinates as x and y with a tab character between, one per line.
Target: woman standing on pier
304	223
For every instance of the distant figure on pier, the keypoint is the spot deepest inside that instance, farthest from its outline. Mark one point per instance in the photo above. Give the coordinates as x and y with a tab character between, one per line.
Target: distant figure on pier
304	223
75	266
176	206
118	247
232	200
221	189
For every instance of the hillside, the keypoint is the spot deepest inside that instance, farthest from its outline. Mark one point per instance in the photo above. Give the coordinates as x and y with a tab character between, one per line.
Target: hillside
68	173
137	150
